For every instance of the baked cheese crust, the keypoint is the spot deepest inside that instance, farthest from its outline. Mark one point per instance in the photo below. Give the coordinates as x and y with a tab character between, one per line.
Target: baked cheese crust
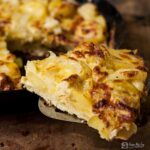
99	85
9	70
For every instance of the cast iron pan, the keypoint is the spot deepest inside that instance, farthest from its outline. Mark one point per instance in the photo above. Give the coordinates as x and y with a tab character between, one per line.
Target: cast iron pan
24	101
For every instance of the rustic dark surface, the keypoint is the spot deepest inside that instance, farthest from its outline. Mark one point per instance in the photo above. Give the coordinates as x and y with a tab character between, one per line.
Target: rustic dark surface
33	131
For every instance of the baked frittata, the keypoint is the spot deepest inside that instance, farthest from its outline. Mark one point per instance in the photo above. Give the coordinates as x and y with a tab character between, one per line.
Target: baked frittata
9	70
99	85
54	23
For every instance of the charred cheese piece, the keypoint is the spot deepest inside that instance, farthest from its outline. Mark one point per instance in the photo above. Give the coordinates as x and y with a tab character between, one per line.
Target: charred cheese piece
99	85
9	70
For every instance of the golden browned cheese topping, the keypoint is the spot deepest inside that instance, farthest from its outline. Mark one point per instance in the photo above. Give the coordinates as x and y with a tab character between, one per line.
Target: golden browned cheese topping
100	85
9	70
54	23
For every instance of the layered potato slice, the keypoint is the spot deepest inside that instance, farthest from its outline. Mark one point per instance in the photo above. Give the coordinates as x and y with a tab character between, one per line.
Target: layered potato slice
99	85
9	70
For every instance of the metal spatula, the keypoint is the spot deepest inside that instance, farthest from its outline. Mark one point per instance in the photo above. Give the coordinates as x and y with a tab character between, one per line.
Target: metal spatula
53	112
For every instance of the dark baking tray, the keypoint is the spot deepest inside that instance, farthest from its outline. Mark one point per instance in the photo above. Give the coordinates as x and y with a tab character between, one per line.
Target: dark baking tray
17	101
22	100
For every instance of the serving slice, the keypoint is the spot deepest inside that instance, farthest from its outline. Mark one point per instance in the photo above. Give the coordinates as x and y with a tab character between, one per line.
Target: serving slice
101	86
52	112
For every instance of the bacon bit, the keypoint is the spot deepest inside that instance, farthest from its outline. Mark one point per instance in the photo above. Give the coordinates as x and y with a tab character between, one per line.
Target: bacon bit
78	54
